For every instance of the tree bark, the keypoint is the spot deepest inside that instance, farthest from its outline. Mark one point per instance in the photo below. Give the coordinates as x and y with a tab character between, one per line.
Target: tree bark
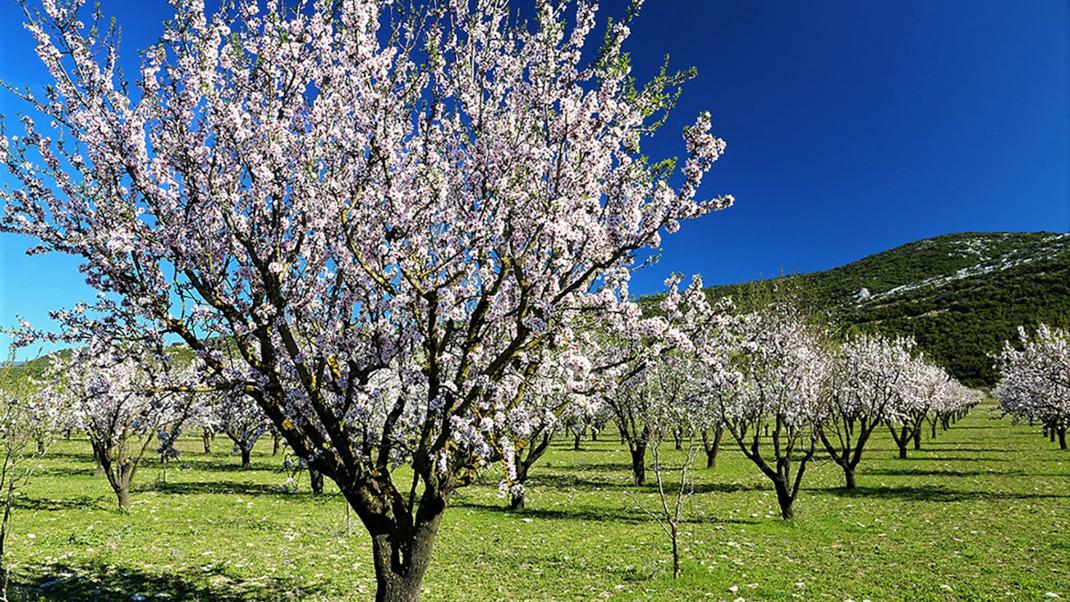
9	501
848	476
1062	438
516	501
639	464
246	460
784	498
206	439
901	436
712	450
122	492
99	470
402	556
675	550
276	440
917	438
315	478
576	442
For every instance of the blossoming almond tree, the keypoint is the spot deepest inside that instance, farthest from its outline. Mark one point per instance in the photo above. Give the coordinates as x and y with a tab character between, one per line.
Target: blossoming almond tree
776	414
557	394
1034	380
125	399
626	351
923	387
865	378
953	402
238	416
340	191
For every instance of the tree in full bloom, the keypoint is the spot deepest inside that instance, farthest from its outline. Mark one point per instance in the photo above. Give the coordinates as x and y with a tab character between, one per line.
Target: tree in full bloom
718	336
625	352
1034	380
775	414
238	416
954	402
352	196
924	387
625	390
127	397
865	379
558	396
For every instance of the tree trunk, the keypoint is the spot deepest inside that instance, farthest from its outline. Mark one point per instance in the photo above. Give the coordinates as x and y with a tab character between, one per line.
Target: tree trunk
206	439
315	478
576	442
246	460
99	470
40	447
902	449
122	492
711	451
674	533
1062	438
678	440
402	559
516	501
917	438
594	434
933	435
276	441
784	498
639	464
848	476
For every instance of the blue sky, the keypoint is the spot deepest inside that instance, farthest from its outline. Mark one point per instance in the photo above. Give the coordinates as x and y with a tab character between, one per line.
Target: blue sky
852	127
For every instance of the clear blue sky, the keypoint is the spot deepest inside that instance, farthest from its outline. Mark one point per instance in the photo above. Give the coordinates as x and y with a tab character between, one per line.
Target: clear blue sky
852	127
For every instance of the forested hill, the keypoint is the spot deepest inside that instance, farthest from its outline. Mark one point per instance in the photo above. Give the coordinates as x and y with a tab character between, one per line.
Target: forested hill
959	295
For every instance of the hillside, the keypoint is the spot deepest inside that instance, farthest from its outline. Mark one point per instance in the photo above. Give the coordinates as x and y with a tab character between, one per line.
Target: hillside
959	295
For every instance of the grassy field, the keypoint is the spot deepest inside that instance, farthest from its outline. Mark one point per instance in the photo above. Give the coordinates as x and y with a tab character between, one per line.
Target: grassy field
982	513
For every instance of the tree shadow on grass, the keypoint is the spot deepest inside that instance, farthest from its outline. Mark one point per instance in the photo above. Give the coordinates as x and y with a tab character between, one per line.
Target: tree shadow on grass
631	516
571	481
221	464
47	505
88	470
622	467
933	493
920	472
919	456
98	581
214	487
943	446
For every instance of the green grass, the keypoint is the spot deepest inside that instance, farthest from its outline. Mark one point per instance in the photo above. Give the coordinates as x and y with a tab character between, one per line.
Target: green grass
981	513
